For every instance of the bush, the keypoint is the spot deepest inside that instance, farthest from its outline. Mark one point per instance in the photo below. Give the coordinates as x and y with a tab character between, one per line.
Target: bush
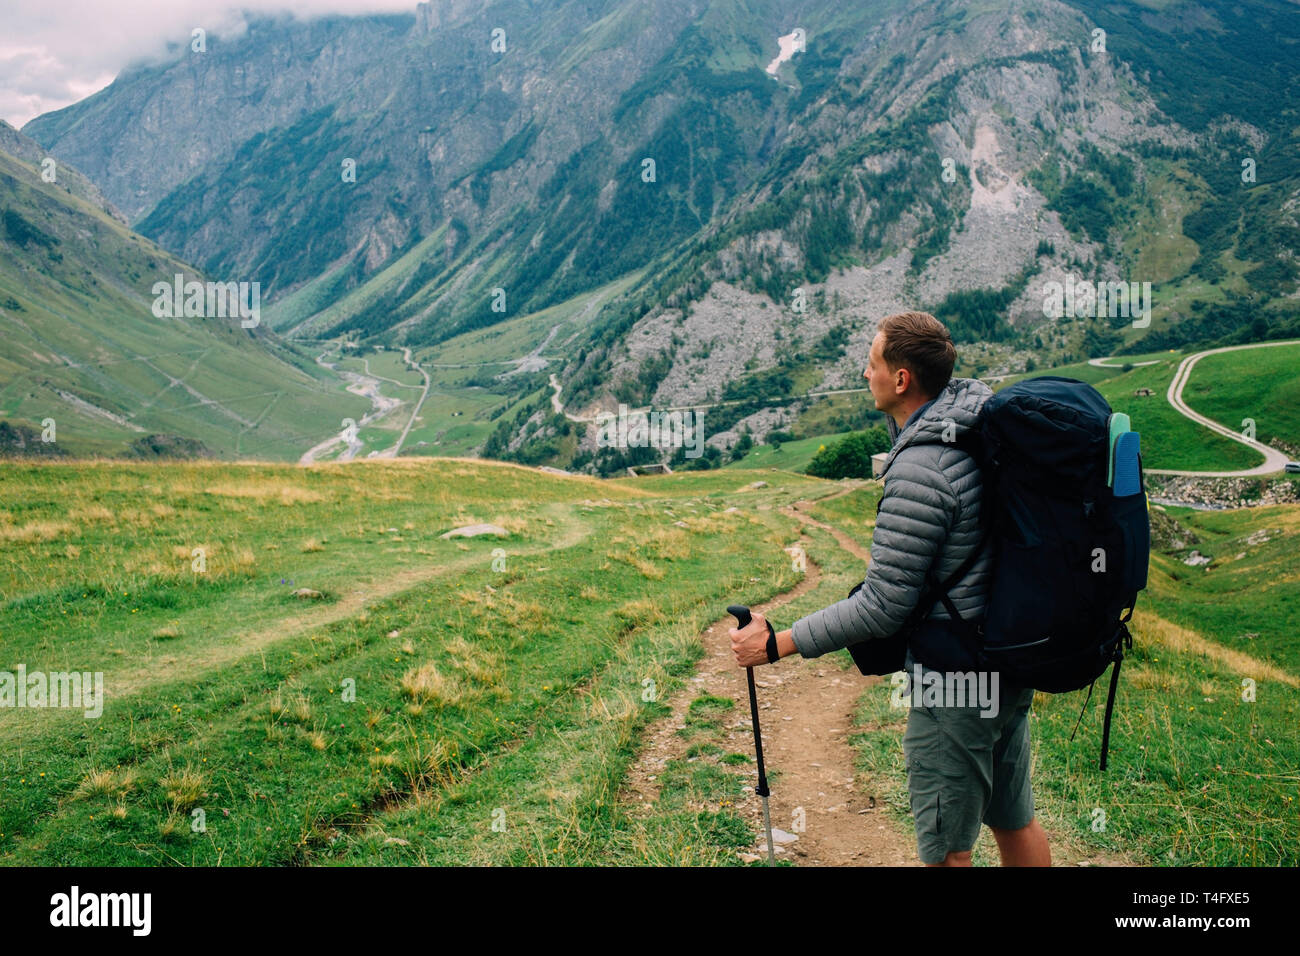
742	447
850	457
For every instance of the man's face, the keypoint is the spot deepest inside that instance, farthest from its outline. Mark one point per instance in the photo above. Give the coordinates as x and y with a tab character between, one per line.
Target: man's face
879	377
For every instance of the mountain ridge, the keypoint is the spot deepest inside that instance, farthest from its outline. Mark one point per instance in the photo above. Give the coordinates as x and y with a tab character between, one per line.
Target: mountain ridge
942	155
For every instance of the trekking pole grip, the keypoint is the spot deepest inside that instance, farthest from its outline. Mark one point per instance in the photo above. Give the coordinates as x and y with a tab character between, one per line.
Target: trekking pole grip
744	618
741	614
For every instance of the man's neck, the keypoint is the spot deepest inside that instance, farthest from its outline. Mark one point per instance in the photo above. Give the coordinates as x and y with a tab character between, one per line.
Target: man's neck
905	411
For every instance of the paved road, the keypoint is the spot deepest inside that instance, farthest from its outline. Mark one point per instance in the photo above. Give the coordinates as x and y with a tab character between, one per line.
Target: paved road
1106	363
1274	460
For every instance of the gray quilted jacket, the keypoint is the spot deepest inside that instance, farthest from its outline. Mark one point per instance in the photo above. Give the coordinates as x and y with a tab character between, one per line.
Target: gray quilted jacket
930	508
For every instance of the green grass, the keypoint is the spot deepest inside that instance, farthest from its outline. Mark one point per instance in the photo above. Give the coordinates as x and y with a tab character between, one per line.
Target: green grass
1169	438
83	325
854	513
1261	384
497	711
792	456
224	676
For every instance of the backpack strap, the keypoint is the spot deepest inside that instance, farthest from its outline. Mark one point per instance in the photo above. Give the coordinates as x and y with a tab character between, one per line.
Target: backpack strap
972	628
1126	639
934	590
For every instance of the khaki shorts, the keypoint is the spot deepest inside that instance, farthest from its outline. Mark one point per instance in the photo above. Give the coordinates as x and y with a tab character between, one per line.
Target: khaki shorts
964	769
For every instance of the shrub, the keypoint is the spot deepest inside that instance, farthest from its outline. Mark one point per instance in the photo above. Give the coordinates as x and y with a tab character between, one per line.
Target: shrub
850	457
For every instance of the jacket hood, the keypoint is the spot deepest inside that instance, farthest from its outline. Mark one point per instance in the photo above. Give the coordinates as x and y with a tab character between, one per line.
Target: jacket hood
959	403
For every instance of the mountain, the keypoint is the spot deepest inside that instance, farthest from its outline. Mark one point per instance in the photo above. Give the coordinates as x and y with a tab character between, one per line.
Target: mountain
88	366
20	147
766	201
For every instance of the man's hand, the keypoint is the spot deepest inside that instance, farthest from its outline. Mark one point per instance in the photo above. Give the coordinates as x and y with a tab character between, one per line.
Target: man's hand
749	644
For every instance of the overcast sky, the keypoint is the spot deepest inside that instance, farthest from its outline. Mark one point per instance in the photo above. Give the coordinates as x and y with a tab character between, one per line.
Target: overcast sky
55	52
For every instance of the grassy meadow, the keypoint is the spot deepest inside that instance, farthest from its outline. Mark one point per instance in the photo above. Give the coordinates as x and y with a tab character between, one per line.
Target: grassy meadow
434	702
225	692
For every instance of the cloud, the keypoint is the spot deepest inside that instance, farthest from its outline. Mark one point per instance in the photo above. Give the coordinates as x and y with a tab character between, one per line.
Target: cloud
53	54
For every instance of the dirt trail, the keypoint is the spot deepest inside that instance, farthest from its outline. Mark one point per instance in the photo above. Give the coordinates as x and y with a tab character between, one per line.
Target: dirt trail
806	712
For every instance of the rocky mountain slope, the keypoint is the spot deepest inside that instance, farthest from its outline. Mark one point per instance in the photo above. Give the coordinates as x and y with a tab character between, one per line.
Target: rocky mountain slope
779	176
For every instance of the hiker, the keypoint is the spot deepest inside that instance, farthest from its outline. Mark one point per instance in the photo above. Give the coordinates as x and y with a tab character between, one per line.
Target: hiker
966	764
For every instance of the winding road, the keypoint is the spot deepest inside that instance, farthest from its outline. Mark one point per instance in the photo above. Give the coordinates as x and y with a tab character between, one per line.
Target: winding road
1274	460
368	386
396	449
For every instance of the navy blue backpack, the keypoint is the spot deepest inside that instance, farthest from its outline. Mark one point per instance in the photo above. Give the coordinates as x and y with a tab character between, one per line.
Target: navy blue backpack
1069	556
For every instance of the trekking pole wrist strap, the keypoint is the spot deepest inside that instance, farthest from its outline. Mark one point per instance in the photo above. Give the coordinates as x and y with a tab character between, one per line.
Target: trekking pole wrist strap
772	654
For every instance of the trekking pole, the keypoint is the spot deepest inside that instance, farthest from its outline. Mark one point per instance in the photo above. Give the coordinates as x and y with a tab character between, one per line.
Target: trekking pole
743	617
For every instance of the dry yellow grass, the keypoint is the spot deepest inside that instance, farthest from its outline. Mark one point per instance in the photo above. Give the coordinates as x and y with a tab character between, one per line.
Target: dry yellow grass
1162	682
34	531
515	524
243	561
484	668
648	569
612	704
710	524
267	491
1157	630
428	763
428	685
668	543
183	788
524	615
296	707
639	613
99	783
86	514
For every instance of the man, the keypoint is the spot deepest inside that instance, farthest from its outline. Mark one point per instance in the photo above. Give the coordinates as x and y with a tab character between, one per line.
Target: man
966	765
